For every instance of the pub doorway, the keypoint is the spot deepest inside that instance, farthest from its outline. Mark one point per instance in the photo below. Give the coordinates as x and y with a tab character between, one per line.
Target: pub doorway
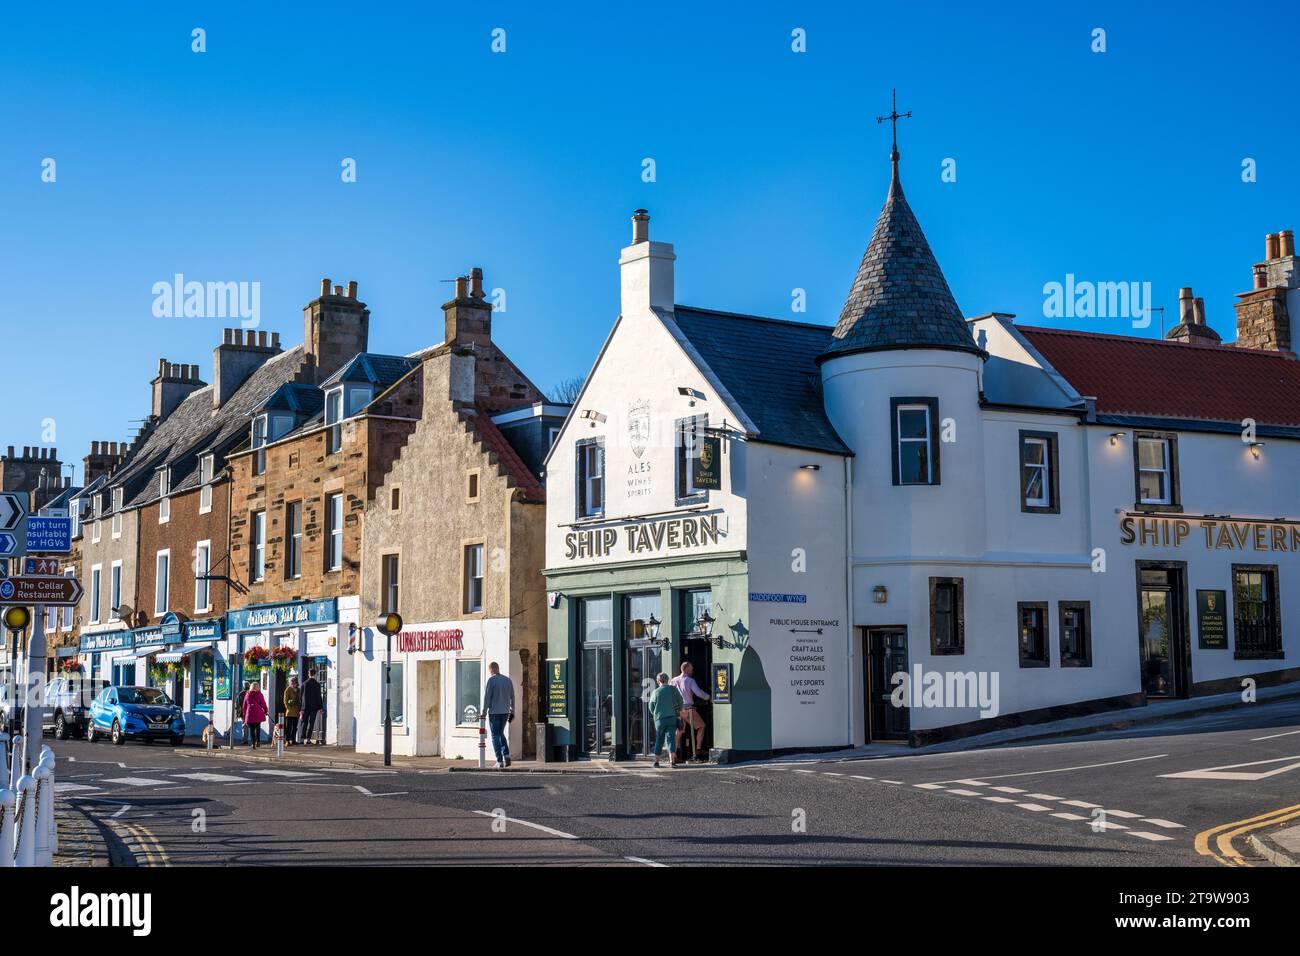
1163	633
697	648
886	655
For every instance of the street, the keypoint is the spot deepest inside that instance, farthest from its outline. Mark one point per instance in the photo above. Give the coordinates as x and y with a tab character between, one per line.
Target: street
1132	798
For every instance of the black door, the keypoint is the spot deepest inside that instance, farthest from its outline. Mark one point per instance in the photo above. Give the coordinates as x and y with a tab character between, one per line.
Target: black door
886	656
1162	631
699	652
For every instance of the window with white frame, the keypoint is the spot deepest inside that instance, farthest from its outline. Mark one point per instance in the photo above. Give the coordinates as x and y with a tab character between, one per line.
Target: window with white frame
916	447
162	579
164	489
1157	475
591	477
334	419
67	611
1038	471
74	512
473	578
114	590
206	465
94	593
390	584
257	564
202	560
333	532
117	512
259	445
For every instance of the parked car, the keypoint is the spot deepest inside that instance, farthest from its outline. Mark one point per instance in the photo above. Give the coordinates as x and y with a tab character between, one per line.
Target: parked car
144	712
66	708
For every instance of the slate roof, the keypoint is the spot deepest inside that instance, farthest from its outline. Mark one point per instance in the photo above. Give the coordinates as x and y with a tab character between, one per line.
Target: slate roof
770	367
899	298
302	400
507	457
373	368
1174	380
194	429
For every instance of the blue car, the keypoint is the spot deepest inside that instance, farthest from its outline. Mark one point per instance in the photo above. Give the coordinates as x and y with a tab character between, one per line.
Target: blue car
143	712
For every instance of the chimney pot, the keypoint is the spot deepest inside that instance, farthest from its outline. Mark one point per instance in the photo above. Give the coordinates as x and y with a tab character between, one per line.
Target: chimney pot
462	287
1286	243
352	289
1270	247
476	283
1261	275
275	340
338	291
1198	311
640	226
324	287
1186	305
11	452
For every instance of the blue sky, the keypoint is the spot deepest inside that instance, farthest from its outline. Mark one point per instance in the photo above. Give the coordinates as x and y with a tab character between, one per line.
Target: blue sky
771	169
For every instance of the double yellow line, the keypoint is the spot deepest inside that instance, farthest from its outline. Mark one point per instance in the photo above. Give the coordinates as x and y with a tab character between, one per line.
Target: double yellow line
1223	835
146	846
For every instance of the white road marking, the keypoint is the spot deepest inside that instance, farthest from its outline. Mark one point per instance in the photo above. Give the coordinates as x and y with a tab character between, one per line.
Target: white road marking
928	786
71	787
1167	824
966	793
397	793
1069	816
1107	825
1091	766
351	770
524	823
285	773
1274	736
642	860
1123	814
1081	803
1148	836
856	777
1230	771
827	773
972	783
1036	807
214	777
138	781
999	799
1043	796
125	807
1008	790
805	771
890	781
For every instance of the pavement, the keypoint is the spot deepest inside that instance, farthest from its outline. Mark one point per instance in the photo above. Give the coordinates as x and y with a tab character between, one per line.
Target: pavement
1183	792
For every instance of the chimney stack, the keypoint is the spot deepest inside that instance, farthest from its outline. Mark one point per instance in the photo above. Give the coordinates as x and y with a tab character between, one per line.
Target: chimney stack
103	459
171	385
468	317
336	328
240	354
1191	327
646	271
1286	244
1264	313
1270	247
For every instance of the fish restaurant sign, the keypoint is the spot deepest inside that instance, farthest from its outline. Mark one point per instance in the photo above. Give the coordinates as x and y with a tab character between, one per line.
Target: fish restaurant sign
1216	534
663	534
281	615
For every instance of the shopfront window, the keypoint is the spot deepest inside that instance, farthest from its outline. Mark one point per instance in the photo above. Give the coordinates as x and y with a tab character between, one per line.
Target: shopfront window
469	687
596	634
1256	622
1033	634
396	698
203	679
644	663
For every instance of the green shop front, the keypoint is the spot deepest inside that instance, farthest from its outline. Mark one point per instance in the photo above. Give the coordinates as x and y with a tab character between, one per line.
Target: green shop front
612	629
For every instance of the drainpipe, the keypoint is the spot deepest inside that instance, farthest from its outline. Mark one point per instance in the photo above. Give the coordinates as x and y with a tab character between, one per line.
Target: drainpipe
848	596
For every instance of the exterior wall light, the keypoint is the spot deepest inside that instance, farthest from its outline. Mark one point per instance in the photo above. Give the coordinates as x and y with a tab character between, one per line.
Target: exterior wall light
1255	446
811	467
880	594
1116	436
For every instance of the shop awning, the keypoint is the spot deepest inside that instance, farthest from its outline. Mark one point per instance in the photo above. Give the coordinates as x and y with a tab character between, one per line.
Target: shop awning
168	657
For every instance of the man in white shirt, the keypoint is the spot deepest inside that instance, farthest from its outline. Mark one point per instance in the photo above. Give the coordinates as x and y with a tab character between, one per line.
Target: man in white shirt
691	692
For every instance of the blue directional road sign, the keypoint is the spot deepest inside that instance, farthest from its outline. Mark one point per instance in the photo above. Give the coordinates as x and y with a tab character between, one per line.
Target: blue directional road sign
8	544
49	534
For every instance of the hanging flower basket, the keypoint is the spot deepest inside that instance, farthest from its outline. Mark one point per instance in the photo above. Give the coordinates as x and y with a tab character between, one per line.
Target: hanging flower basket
70	665
283	657
256	658
157	673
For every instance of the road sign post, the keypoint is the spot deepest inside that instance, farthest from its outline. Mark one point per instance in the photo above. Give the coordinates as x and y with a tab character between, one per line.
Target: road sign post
58	590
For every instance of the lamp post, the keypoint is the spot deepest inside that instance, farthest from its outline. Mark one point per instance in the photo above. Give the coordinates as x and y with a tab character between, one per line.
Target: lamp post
389	624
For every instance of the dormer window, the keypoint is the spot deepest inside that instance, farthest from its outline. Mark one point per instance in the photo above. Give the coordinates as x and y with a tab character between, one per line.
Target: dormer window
334	419
359	396
164	489
206	465
259	445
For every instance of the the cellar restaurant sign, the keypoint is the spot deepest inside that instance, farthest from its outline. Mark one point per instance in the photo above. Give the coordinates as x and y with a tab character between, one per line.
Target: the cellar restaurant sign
645	537
1215	534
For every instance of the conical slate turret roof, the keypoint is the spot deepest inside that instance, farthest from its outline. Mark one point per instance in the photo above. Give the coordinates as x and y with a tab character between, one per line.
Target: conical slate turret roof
899	298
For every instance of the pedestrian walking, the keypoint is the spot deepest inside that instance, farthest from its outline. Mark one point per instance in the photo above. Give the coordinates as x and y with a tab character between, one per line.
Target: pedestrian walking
239	711
499	705
312	705
665	705
255	711
691	719
292	707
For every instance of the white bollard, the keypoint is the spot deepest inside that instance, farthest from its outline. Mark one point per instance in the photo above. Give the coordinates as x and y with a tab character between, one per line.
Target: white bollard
16	764
6	828
482	741
25	844
47	813
44	807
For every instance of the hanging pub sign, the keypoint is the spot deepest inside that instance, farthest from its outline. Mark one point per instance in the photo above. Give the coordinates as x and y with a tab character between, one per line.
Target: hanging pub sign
1212	619
722	683
557	694
706	468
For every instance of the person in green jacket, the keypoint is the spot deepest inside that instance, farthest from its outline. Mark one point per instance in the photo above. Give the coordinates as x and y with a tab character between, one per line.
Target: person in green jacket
665	702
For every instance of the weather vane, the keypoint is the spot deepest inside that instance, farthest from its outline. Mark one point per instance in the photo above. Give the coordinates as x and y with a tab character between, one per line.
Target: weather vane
894	116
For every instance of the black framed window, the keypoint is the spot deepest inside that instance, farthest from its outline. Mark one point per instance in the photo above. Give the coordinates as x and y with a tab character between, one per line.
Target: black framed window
1032	616
1039	491
1257	618
1155	467
1076	633
947	616
914	423
590	470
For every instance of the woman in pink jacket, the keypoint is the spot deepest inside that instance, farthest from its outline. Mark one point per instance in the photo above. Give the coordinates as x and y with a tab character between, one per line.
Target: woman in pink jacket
254	713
